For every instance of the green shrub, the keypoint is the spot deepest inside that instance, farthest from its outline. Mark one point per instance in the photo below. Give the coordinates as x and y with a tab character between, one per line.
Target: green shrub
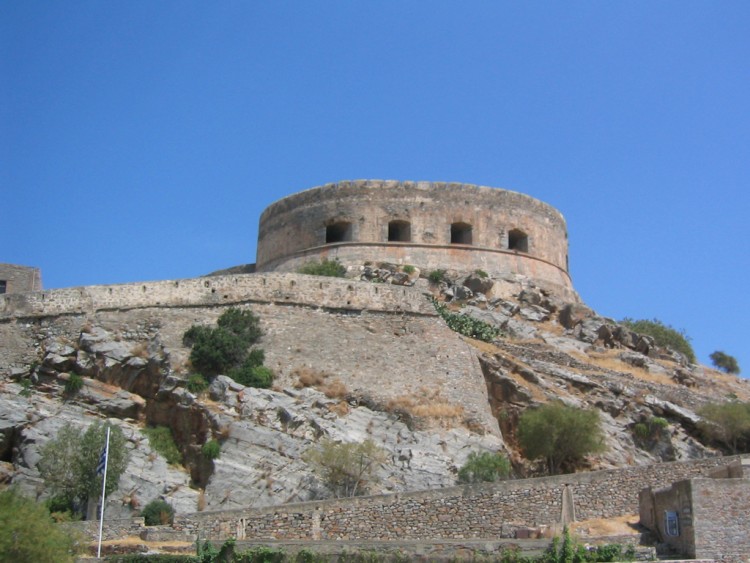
466	325
227	350
211	449
161	439
251	375
196	383
481	273
560	435
158	513
74	384
436	276
484	467
725	362
409	269
25	388
728	424
663	335
27	533
261	554
330	268
651	429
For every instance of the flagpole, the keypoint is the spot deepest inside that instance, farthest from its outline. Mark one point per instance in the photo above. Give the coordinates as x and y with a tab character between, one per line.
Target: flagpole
104	485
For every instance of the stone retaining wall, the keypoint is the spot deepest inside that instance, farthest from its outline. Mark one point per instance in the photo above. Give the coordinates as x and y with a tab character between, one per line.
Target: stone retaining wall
476	511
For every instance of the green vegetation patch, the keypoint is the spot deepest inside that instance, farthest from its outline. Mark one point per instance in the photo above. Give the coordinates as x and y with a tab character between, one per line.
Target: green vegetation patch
161	439
329	268
466	325
663	335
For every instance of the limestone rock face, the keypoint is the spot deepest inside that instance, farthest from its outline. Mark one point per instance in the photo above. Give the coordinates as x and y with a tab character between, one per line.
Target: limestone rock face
425	395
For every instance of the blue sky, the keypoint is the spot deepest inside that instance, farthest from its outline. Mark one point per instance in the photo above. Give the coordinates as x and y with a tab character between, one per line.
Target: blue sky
141	140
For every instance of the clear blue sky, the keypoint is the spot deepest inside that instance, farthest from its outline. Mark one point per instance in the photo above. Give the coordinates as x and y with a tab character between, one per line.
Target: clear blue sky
140	140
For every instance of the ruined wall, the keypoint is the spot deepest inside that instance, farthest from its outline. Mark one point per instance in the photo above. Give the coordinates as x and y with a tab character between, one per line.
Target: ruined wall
510	232
476	511
18	279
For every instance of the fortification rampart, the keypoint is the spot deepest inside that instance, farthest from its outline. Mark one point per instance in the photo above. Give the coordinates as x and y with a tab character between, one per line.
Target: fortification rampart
428	224
278	288
490	510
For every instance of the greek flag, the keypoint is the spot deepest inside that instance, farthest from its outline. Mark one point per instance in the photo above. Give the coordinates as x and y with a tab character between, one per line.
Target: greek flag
102	462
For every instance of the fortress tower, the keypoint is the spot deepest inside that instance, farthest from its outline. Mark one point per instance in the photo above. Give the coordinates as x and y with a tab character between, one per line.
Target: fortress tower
430	225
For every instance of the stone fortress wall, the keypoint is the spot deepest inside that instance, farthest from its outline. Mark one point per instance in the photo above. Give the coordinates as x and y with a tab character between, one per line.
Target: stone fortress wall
19	279
426	224
370	336
291	289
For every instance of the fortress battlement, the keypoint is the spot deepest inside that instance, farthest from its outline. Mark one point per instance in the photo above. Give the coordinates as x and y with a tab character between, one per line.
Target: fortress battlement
427	224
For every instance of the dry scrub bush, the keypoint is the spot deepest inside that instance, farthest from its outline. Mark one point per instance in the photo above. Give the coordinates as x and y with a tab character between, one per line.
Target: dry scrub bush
308	377
335	390
140	350
340	409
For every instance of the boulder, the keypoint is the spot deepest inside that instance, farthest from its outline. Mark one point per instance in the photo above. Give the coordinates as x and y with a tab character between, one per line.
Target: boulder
479	284
573	314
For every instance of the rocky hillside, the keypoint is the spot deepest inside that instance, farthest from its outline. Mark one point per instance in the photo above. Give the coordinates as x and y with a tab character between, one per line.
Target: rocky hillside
423	393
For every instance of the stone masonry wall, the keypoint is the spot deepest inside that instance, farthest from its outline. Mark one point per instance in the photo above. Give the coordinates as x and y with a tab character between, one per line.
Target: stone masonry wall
19	279
292	289
294	229
720	519
476	511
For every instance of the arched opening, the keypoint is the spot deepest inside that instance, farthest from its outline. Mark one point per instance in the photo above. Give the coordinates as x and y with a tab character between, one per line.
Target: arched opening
399	231
518	240
460	233
338	232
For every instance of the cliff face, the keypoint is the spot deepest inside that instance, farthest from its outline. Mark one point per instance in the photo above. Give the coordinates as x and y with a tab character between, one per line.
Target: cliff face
353	360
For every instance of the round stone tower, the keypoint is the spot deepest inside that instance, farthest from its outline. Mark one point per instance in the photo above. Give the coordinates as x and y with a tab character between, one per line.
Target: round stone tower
430	225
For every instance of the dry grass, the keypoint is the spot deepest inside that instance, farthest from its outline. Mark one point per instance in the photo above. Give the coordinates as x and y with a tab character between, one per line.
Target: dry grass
609	359
622	525
427	404
308	377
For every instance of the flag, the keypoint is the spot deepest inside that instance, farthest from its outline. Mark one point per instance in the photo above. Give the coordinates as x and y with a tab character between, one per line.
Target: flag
102	462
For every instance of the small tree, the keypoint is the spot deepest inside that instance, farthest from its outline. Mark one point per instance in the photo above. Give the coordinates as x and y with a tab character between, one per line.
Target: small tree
727	423
725	362
28	533
69	461
346	468
561	435
484	467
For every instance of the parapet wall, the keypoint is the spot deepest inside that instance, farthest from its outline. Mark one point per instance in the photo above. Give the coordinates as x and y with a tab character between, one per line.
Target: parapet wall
472	511
291	289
